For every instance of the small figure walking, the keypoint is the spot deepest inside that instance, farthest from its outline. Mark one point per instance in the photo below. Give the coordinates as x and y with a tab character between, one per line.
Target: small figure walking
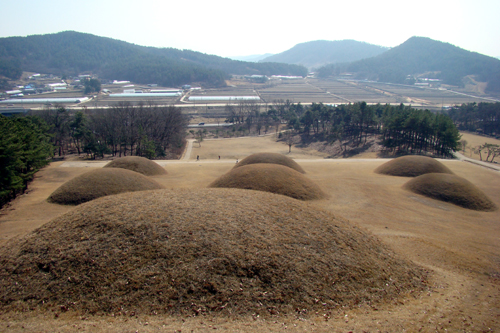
197	157
236	161
219	157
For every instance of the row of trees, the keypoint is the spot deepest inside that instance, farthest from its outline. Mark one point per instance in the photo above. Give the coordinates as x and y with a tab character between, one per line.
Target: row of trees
477	117
403	129
24	148
144	130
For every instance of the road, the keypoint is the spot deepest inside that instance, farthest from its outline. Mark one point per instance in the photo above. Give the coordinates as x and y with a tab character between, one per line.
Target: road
488	165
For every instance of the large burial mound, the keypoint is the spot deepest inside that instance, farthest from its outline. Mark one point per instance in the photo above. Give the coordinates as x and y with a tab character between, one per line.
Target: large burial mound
451	188
271	158
412	166
100	183
137	164
272	178
196	251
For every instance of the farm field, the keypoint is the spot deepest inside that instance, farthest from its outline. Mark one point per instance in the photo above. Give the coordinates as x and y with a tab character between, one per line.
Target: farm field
297	91
305	91
458	247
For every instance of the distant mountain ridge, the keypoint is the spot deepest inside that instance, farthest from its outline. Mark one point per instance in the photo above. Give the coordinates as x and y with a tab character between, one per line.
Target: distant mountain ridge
321	52
71	53
251	58
423	56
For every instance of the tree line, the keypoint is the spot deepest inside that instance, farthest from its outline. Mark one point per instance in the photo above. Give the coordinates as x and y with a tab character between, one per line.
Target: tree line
403	129
125	129
25	147
477	117
482	118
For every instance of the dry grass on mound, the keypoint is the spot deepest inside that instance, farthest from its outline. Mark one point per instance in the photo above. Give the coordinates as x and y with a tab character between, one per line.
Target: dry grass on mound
271	158
451	188
412	166
272	178
99	183
201	251
137	164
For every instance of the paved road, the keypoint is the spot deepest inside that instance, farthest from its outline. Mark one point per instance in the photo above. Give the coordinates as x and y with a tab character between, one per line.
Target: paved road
488	165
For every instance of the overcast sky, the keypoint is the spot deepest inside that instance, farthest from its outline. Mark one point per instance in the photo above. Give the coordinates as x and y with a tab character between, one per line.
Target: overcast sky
239	28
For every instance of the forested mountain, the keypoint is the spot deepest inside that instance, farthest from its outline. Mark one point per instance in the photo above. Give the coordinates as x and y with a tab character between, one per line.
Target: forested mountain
252	58
71	53
318	53
420	55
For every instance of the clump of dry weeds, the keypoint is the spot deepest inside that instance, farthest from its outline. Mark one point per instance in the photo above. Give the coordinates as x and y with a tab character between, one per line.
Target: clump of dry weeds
451	188
99	183
412	166
272	158
194	252
272	178
137	164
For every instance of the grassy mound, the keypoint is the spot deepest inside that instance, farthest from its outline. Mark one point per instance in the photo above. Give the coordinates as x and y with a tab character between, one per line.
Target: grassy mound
412	166
198	251
451	188
137	164
271	158
272	178
100	183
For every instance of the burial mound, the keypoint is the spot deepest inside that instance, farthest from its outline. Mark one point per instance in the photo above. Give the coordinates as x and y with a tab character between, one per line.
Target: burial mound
100	183
192	252
272	178
451	188
137	164
412	166
271	158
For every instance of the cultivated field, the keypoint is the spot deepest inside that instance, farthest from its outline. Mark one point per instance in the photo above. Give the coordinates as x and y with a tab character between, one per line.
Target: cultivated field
305	91
458	247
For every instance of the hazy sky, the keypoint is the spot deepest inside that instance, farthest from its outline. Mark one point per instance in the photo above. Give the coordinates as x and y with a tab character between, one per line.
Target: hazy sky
237	28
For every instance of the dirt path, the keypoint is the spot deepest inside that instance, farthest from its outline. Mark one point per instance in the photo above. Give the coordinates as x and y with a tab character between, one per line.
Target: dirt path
187	152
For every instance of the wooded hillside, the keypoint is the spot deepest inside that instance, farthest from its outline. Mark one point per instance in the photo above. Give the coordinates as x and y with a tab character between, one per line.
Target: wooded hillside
321	52
72	53
419	55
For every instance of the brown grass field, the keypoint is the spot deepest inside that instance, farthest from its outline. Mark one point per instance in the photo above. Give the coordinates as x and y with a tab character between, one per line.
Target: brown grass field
457	247
473	141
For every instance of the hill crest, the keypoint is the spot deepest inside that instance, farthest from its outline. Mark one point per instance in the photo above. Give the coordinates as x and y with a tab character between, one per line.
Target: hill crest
73	53
418	56
320	52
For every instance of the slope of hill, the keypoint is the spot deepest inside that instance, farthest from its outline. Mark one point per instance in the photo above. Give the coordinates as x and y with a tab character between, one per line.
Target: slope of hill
420	55
71	53
252	58
318	53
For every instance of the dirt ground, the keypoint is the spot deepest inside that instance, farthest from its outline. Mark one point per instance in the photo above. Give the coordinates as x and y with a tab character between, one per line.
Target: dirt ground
459	247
